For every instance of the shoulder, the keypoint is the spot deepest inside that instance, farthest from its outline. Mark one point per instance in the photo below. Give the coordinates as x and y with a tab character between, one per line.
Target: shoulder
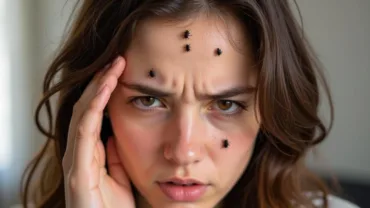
336	202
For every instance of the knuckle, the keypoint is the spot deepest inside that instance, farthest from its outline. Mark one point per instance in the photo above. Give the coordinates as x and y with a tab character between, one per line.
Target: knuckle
111	78
93	106
73	183
101	80
108	78
81	131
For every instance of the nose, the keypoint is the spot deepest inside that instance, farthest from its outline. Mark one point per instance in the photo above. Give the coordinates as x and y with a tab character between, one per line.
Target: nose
186	143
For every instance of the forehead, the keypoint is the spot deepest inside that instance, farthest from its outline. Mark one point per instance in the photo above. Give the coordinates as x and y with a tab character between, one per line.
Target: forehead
207	34
160	44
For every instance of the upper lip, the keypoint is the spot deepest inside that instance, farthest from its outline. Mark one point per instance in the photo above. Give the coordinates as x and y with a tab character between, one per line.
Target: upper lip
183	181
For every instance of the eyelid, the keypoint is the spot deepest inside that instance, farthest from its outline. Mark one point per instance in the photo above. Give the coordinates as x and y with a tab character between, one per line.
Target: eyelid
132	99
241	105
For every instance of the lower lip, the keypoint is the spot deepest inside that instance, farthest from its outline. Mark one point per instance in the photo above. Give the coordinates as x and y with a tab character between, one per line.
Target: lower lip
183	193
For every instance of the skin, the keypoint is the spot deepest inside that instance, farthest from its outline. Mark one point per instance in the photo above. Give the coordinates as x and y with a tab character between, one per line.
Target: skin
180	135
86	181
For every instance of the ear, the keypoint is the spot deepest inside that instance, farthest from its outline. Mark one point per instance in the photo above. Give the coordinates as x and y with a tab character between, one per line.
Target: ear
115	167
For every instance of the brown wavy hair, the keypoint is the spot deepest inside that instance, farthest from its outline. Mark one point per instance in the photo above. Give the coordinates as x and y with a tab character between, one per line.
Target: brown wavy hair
290	83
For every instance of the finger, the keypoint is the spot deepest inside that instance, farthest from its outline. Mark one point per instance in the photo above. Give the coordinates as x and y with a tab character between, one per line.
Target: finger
114	72
108	78
86	135
100	154
115	167
77	116
111	76
103	78
94	85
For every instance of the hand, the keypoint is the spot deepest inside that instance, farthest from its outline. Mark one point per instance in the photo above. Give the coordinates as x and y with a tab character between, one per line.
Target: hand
87	184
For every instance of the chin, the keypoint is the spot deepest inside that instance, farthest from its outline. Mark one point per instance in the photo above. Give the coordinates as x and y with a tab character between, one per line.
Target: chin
164	202
182	205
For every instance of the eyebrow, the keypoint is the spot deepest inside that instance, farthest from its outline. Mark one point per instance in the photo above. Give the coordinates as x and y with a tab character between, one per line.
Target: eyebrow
161	94
229	93
146	89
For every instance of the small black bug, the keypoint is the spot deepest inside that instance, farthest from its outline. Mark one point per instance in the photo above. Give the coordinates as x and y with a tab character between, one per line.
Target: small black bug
225	143
187	34
218	52
152	73
187	47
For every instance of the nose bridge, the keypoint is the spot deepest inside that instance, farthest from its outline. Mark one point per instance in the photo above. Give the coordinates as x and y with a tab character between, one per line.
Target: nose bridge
186	145
186	124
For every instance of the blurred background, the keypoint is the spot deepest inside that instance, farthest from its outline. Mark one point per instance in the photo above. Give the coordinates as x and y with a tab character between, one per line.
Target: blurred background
339	30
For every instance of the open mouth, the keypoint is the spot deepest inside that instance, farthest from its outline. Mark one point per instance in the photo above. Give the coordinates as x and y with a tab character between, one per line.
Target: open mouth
183	190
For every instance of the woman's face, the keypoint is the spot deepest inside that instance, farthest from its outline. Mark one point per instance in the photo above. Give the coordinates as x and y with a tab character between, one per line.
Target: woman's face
169	129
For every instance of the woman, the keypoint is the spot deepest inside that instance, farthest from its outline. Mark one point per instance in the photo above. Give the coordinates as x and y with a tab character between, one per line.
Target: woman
182	103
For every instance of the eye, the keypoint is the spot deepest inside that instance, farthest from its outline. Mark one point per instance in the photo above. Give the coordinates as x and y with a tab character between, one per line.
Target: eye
228	106
147	102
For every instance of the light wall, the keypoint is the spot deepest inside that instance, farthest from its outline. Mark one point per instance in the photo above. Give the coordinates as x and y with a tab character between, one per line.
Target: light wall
338	29
340	32
33	30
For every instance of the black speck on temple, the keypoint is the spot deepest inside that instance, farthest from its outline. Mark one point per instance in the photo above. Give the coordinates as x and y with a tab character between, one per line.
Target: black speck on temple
187	34
187	47
152	73
225	143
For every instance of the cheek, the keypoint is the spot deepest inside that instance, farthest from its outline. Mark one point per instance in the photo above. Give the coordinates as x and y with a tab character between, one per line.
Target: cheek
239	151
238	155
133	140
242	138
136	146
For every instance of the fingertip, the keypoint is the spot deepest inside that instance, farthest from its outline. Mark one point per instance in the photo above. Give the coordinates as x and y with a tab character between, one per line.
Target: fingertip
120	60
123	63
118	66
116	60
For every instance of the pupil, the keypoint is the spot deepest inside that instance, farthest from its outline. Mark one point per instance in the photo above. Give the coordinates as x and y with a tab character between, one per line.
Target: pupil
224	104
147	101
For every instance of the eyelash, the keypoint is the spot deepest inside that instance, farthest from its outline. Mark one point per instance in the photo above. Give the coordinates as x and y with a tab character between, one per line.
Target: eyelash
132	101
240	105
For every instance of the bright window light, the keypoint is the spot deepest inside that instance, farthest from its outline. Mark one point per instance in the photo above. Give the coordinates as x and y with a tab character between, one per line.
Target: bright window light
5	106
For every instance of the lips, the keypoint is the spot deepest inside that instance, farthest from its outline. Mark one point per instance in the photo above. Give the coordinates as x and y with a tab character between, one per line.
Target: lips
184	182
183	190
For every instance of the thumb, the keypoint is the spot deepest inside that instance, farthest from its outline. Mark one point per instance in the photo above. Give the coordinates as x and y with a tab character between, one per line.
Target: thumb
115	167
